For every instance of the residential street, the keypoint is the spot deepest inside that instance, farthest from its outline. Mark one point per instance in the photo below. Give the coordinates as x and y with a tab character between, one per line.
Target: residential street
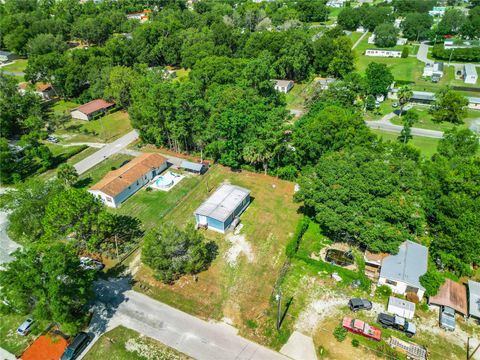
106	151
118	305
423	52
385	124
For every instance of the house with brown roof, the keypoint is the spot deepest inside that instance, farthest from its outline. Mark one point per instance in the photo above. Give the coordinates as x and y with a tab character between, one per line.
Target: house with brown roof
118	185
44	90
91	109
453	295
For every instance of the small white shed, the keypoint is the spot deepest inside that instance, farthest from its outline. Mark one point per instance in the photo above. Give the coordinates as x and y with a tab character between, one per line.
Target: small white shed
401	307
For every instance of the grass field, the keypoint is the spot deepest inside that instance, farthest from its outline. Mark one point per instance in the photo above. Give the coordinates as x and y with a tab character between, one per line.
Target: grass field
151	206
10	340
96	173
70	155
18	65
64	107
427	146
125	344
239	290
104	129
295	98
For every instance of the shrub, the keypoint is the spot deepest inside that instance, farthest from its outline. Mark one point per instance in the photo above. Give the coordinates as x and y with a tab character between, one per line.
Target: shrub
412	297
431	281
355	342
340	333
293	244
383	291
251	324
423	306
405	52
288	172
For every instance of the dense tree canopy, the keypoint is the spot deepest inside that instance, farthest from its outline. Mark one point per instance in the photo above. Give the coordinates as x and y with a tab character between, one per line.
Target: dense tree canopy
449	106
385	35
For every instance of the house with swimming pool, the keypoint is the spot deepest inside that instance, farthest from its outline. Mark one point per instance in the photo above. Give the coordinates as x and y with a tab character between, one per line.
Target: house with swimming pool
223	208
118	185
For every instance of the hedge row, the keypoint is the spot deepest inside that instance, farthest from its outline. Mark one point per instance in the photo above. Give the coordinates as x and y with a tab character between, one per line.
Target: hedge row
459	54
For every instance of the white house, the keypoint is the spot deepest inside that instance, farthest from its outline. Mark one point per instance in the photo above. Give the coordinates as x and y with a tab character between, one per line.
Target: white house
142	16
89	110
336	3
435	71
473	102
283	85
383	53
43	90
437	11
6	56
371	39
118	185
470	74
401	272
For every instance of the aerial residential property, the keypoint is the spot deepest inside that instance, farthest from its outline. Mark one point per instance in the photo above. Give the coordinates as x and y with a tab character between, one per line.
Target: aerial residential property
383	53
91	109
118	185
470	74
283	86
223	208
402	272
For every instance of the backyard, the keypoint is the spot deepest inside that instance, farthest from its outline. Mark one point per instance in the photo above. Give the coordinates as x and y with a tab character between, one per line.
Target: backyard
238	285
17	66
426	145
105	129
125	344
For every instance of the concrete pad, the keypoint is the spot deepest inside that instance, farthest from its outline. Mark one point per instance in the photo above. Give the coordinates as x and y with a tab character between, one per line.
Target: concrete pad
299	347
5	355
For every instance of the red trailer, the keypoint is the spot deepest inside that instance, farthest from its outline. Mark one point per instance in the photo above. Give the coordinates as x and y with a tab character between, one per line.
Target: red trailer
361	327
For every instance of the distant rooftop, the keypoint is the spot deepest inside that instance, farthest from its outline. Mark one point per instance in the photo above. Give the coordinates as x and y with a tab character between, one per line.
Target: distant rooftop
408	265
474	298
223	202
191	166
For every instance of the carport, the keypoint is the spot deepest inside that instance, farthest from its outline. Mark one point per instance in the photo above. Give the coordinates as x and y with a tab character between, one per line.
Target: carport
451	294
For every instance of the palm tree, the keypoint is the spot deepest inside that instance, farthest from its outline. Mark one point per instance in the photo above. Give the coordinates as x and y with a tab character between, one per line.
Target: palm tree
405	93
257	153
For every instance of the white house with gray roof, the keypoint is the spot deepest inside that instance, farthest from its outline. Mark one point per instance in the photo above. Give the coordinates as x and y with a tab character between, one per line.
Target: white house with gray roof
222	208
401	272
474	299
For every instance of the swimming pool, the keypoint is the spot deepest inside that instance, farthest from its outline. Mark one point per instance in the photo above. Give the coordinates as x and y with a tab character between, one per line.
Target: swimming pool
164	181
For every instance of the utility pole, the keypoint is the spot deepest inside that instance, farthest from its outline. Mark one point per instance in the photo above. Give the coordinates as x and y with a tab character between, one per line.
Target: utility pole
470	356
278	297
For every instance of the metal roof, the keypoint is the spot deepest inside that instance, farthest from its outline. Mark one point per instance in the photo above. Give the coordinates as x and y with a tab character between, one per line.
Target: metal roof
423	95
473	100
223	202
470	69
453	295
5	53
474	298
408	265
402	304
191	166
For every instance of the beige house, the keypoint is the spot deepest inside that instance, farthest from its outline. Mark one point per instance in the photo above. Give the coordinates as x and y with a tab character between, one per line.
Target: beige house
91	109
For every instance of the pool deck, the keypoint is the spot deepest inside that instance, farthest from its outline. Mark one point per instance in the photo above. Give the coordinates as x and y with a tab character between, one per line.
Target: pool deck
175	179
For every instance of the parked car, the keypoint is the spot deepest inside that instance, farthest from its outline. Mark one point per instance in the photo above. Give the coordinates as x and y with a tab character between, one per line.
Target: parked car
398	323
26	327
76	347
52	139
447	318
87	263
395	105
357	304
360	327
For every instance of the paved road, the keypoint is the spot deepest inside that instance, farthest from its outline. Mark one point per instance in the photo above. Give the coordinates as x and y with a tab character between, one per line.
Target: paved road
359	40
386	125
118	305
12	73
105	152
422	53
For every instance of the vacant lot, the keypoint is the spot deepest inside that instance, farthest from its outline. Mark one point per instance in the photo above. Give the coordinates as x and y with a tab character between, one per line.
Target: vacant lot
125	344
240	290
10	340
104	129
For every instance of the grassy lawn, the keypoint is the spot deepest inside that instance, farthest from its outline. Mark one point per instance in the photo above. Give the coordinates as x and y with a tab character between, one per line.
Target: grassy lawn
125	344
295	98
354	36
18	65
96	173
240	291
182	74
104	129
63	106
151	206
386	107
428	146
10	340
408	69
70	155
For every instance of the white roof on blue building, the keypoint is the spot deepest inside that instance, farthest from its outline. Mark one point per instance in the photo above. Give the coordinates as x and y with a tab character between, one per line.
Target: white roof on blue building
474	298
408	265
223	202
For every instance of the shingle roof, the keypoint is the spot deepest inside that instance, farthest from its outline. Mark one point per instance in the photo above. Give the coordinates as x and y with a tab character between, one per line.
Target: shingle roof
93	106
408	265
474	298
118	180
223	202
451	294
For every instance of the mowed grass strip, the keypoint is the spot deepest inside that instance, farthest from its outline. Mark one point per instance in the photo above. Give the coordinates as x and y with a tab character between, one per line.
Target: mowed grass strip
125	344
240	291
427	146
10	340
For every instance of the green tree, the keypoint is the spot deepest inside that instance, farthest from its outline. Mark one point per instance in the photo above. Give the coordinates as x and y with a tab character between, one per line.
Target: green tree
416	26
49	284
451	23
378	78
370	198
449	106
385	35
405	52
172	252
67	174
458	142
120	82
410	118
46	43
404	95
350	18
432	281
